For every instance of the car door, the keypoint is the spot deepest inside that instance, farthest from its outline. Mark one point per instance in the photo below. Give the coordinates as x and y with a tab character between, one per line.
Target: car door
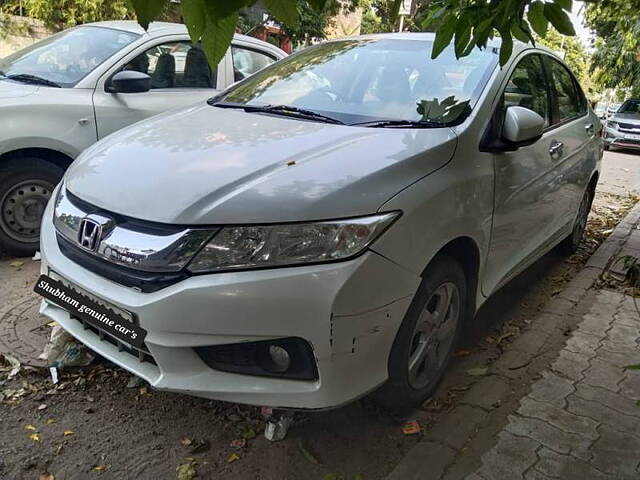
573	134
528	186
180	76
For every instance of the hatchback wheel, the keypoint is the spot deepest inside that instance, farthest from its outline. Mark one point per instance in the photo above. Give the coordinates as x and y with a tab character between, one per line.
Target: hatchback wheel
26	184
570	244
427	336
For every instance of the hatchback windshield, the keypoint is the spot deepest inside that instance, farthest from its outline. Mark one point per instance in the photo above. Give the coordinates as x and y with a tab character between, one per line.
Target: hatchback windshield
65	58
367	80
630	106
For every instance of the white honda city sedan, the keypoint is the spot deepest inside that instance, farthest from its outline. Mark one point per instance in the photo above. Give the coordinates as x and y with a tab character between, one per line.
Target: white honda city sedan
325	228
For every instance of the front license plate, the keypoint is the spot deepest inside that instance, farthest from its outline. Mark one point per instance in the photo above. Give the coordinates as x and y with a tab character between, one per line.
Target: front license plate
632	136
90	311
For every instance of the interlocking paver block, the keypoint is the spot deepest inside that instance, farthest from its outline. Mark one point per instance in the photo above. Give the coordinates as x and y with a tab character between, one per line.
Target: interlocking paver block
551	388
609	399
623	334
628	317
583	343
571	365
630	386
509	458
550	436
595	324
603	374
566	467
562	419
617	453
603	414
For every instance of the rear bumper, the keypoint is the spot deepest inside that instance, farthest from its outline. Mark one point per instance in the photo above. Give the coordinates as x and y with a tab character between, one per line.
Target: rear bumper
349	312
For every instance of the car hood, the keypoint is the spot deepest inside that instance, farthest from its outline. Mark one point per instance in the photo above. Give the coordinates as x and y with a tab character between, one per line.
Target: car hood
626	117
10	89
208	165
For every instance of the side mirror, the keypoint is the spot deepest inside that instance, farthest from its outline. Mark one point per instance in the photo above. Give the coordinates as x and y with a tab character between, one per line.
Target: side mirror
521	126
129	81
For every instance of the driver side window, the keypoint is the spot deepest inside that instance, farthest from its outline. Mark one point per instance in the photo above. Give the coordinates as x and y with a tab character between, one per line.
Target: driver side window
175	65
527	87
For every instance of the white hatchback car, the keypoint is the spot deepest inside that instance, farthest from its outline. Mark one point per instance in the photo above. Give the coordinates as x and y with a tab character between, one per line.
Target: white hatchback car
324	228
64	93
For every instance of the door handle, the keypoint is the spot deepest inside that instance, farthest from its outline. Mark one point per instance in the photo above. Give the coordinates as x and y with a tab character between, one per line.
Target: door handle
556	149
591	129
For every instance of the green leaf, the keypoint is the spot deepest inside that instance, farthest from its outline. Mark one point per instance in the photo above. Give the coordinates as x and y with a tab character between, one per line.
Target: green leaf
284	10
444	35
564	4
482	31
536	18
147	10
519	33
632	367
217	37
506	48
463	35
559	19
195	18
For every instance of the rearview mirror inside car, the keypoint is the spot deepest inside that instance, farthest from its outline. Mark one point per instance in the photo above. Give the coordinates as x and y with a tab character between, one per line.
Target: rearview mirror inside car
521	126
129	81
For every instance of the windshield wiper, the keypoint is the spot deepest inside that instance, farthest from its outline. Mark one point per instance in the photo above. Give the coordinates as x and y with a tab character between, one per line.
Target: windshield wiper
26	78
400	124
282	109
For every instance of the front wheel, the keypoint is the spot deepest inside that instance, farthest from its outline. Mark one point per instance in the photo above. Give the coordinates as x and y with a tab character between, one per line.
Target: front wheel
26	184
427	336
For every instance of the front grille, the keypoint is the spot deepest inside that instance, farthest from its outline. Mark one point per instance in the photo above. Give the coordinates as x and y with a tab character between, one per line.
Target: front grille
143	281
142	354
629	126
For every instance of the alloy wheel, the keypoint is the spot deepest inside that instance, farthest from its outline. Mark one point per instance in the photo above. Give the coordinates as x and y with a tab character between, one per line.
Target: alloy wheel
433	335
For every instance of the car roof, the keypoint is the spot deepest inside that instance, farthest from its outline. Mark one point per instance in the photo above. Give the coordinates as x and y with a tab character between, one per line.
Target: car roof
495	42
157	29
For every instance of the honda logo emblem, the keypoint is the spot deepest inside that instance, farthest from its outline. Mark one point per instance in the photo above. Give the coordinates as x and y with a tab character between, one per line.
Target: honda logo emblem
90	234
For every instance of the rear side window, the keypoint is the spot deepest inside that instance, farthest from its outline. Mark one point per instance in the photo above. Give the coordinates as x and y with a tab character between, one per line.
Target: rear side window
247	62
527	87
570	100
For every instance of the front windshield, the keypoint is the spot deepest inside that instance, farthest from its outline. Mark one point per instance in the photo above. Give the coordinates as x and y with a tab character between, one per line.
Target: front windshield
366	80
630	106
67	57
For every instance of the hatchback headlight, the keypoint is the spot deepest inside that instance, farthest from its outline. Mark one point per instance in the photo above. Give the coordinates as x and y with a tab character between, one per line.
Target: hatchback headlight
262	246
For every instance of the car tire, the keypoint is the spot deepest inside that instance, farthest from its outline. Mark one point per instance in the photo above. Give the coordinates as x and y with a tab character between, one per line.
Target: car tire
606	147
570	244
26	184
441	294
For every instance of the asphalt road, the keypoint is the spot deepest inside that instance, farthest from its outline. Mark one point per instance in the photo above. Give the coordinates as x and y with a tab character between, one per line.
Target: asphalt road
620	172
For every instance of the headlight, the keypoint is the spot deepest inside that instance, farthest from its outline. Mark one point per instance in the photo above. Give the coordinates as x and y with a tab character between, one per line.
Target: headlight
262	246
613	125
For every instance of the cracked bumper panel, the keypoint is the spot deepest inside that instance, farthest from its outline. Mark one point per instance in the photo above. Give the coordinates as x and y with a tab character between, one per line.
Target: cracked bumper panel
616	137
348	311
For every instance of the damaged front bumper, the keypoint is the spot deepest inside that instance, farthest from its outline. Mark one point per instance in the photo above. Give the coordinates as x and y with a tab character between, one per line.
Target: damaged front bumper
348	312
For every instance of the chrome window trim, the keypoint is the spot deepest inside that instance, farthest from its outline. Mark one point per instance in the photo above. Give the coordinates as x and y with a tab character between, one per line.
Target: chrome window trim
128	248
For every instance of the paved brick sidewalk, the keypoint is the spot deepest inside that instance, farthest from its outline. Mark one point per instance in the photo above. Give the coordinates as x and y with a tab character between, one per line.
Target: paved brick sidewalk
578	419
